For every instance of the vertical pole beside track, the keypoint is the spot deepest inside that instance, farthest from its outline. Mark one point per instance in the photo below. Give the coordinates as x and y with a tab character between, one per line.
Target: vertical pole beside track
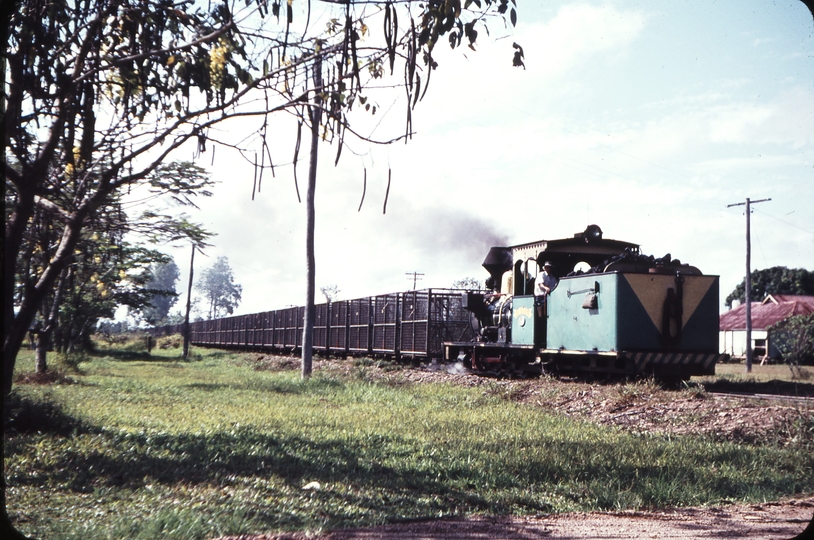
189	306
748	280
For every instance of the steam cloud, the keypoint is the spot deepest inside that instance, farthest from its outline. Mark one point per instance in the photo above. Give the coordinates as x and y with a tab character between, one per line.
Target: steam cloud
453	232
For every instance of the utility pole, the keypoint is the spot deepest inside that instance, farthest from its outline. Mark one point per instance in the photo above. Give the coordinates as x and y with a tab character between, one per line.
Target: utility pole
415	277
748	282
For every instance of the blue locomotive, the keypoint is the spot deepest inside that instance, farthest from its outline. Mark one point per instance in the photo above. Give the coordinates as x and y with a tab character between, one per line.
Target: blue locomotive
613	311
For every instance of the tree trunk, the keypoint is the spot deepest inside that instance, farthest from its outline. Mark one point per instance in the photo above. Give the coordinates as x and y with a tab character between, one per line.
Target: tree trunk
42	351
13	335
308	323
44	337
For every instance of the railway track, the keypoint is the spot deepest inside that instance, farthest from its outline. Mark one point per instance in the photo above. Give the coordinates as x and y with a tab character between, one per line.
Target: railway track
807	400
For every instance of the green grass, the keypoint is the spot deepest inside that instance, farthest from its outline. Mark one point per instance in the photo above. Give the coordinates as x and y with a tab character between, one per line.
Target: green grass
149	448
764	373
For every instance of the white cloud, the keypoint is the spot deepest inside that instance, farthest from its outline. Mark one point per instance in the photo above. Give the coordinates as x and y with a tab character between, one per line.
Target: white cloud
736	123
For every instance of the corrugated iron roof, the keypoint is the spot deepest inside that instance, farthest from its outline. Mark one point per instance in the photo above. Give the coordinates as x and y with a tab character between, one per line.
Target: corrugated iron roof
773	309
807	301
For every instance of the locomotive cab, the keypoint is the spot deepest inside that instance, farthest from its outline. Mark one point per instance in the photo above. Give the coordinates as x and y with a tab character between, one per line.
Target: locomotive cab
513	272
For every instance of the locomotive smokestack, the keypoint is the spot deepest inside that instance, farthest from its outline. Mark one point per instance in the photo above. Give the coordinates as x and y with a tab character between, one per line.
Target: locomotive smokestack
498	261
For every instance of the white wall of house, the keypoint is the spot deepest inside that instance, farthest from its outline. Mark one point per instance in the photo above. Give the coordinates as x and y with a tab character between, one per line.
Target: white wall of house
733	342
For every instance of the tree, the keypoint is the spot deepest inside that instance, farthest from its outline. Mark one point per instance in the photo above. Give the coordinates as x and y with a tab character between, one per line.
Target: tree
469	283
775	280
104	270
794	338
330	292
161	286
220	291
100	279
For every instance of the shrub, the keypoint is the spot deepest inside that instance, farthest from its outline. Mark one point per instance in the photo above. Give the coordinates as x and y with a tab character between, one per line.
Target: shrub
69	361
794	338
174	341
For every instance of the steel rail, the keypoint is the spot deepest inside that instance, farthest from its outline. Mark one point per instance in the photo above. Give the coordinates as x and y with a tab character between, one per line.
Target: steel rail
766	397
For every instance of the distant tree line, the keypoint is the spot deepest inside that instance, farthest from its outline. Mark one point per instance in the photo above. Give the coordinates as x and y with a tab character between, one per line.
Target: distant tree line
775	280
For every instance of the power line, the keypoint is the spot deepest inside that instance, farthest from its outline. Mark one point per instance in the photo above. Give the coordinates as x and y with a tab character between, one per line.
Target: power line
785	222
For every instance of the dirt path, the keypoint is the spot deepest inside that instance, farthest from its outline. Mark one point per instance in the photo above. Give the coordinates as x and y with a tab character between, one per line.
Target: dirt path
770	521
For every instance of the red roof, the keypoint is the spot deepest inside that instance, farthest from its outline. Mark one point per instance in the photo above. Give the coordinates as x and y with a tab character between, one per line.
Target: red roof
807	301
773	309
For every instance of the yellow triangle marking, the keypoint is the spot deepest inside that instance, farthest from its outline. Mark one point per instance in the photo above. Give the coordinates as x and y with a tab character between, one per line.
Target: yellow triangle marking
651	290
695	289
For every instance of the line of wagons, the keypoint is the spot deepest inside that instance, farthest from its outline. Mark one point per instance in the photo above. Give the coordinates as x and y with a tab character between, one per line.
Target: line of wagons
614	312
412	324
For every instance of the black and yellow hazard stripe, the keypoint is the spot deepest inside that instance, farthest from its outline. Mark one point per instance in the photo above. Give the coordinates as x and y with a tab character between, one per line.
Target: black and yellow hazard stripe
701	363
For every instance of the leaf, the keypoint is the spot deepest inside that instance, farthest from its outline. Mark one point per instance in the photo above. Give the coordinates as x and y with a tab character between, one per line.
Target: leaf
417	90
513	17
517	61
471	33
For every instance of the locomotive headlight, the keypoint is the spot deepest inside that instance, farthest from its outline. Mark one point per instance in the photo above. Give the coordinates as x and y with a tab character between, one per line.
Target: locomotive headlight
592	234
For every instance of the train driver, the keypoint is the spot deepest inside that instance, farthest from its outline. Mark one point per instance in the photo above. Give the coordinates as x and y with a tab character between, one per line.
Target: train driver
544	284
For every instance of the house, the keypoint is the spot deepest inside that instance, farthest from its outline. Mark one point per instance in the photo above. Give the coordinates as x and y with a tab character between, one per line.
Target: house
773	309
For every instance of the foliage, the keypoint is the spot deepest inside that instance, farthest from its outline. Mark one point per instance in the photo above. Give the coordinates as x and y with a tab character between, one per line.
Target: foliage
220	291
101	93
70	360
161	286
174	341
102	278
330	292
105	270
219	438
110	330
468	283
775	280
794	338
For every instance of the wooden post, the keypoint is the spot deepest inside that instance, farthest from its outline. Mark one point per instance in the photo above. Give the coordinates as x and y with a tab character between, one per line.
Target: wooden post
748	280
189	305
315	112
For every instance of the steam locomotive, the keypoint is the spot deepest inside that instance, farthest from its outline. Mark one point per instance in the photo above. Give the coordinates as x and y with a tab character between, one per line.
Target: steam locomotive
613	311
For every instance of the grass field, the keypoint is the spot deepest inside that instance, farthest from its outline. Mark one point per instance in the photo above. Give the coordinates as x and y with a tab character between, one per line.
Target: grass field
768	372
150	447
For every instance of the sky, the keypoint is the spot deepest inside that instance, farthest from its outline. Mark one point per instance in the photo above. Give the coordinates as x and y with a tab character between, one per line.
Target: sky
645	118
